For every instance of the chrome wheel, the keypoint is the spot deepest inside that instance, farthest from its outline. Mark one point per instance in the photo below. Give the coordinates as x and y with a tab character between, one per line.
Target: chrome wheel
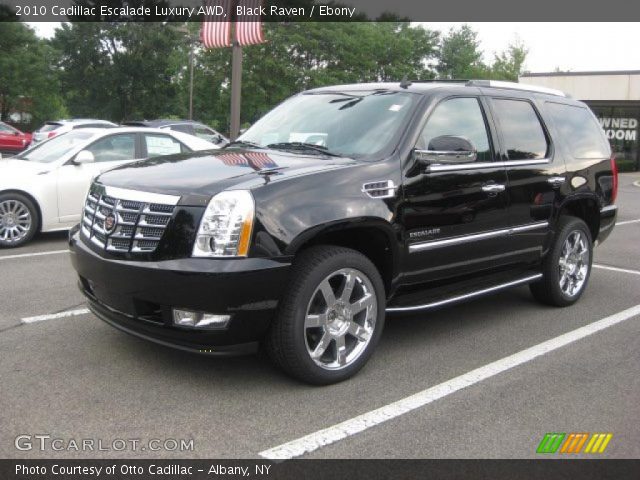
340	319
15	221
573	265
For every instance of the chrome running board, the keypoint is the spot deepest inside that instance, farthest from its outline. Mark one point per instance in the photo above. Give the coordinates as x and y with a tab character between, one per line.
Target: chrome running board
466	296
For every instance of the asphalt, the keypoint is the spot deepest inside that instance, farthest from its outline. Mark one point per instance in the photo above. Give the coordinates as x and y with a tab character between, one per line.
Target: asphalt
76	377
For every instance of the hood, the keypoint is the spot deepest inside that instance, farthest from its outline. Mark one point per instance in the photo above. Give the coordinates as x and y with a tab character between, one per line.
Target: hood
11	170
207	173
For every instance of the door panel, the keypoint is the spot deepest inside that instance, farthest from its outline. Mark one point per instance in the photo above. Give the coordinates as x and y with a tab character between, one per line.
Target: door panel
454	215
534	178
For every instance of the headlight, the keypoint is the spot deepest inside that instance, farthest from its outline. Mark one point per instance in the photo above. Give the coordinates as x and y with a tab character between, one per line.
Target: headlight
225	228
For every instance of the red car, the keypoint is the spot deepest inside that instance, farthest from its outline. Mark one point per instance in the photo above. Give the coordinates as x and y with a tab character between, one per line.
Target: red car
12	140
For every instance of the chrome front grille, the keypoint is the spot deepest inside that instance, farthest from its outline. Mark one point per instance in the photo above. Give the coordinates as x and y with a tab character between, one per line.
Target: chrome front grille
114	221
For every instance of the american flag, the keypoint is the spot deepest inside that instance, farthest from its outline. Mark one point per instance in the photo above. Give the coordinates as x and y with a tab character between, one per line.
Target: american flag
249	27
232	159
216	31
260	160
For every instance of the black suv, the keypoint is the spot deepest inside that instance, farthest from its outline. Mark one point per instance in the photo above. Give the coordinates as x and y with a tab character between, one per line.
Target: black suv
345	204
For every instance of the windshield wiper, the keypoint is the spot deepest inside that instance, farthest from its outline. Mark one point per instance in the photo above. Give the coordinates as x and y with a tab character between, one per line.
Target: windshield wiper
243	143
302	146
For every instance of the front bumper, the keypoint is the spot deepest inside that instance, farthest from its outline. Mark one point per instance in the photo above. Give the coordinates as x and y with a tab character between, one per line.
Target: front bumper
137	297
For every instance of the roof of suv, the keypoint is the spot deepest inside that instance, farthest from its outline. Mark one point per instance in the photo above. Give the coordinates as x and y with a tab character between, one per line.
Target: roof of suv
425	86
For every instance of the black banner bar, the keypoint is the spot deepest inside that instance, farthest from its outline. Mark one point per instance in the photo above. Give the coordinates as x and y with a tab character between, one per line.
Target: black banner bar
544	469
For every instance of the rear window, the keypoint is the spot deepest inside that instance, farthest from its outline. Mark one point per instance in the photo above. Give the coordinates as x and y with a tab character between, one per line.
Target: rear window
580	131
47	127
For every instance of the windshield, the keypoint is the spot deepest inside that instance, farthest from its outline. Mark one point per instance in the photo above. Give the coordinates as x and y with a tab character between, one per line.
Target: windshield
352	124
53	149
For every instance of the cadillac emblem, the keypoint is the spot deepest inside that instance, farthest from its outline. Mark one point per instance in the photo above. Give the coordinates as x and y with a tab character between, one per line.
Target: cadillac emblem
110	223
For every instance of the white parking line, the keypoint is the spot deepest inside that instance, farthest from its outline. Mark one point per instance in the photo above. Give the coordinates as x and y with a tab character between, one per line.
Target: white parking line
616	269
35	254
626	222
54	316
358	424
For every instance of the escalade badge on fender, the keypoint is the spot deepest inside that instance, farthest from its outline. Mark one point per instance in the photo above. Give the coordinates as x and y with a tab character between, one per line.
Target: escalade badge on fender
110	223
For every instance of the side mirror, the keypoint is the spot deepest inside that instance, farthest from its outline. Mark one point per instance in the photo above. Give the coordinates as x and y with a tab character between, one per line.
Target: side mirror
84	156
447	149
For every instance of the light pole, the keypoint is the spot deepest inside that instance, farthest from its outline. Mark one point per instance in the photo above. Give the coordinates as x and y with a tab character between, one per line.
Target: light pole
193	39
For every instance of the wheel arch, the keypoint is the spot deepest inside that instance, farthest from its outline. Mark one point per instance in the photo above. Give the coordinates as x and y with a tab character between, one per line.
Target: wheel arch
373	237
584	207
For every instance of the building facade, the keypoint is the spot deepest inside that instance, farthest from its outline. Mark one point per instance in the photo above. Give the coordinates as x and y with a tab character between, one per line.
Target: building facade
615	99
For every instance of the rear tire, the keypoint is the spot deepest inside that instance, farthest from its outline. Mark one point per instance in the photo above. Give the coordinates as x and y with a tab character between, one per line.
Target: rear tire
18	220
567	266
331	317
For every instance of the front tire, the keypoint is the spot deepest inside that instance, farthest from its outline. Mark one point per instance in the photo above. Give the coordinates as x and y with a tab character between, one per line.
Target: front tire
567	266
331	318
18	220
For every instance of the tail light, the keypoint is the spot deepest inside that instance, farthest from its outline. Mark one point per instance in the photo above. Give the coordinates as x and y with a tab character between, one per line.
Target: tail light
614	171
52	134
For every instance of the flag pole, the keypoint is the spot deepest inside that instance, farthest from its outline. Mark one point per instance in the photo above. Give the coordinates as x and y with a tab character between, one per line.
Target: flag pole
236	85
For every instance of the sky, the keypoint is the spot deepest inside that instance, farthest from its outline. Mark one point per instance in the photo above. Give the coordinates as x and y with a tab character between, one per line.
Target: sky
567	46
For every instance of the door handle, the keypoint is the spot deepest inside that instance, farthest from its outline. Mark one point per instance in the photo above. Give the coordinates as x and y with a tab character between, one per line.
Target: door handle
556	181
493	188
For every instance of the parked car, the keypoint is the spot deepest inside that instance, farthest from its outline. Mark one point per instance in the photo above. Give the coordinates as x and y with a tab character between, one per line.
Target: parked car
43	188
58	127
345	204
185	126
12	140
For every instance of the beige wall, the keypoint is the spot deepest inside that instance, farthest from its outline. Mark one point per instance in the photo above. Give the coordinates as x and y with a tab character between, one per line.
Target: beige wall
591	87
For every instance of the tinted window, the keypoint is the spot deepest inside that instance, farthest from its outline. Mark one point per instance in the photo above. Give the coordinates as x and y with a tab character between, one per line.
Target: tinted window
460	117
162	145
579	130
522	133
47	127
184	128
6	128
206	133
114	148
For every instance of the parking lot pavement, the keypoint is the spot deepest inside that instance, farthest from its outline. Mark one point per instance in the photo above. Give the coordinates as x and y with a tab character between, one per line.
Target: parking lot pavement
75	377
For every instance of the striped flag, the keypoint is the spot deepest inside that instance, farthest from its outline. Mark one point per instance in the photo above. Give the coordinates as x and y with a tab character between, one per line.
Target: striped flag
216	31
232	159
260	160
249	24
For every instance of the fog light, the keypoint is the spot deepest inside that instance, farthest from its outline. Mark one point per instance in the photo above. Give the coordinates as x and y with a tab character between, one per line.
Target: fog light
188	318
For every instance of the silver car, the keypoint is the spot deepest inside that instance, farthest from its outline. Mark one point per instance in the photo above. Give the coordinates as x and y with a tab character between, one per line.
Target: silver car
57	127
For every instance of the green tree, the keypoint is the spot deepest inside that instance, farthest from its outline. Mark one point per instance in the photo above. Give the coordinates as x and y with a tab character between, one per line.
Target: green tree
460	56
509	64
119	71
27	75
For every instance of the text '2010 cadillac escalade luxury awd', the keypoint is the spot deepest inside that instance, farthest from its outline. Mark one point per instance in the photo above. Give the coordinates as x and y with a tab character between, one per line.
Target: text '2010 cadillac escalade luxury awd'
345	204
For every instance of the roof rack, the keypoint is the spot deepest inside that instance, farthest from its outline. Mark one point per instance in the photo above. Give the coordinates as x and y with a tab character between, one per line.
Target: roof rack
515	86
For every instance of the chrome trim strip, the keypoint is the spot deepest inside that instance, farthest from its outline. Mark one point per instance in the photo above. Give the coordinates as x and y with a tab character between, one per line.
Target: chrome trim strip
479	165
609	208
466	296
137	196
418	247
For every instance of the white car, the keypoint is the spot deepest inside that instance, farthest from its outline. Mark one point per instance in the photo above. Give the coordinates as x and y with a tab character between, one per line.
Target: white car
58	127
43	188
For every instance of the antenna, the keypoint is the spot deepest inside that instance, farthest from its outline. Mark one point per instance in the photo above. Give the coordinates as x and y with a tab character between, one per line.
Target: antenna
405	83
